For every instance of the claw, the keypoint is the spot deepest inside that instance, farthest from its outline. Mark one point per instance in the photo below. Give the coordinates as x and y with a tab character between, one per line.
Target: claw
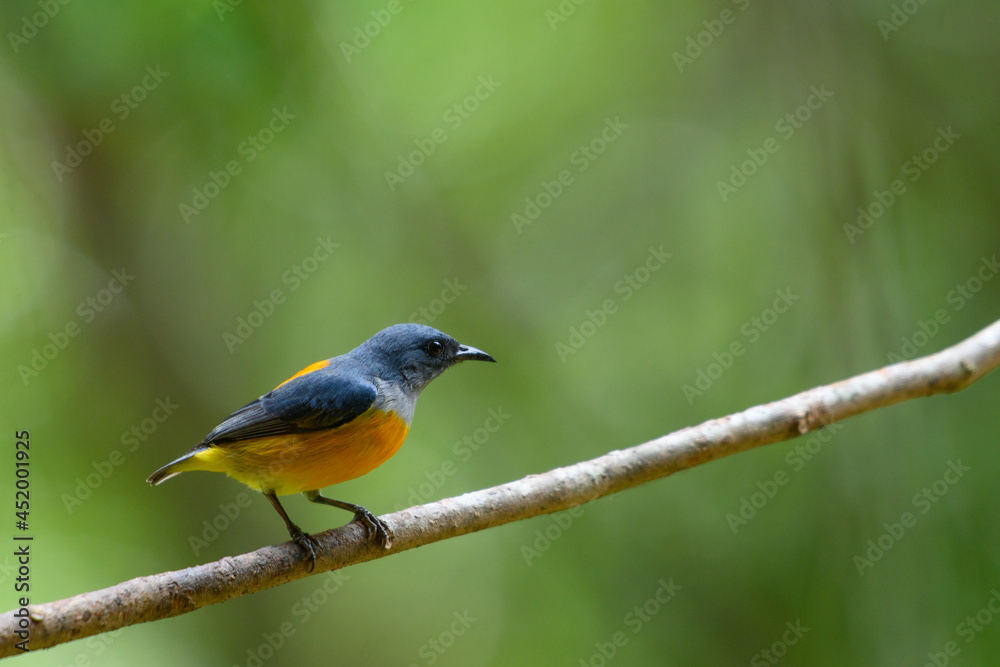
309	543
375	527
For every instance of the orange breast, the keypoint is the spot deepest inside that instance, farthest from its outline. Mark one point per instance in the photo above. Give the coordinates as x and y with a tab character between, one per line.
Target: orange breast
307	461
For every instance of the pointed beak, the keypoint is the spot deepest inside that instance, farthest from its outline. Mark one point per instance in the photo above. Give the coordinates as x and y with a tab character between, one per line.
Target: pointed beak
466	352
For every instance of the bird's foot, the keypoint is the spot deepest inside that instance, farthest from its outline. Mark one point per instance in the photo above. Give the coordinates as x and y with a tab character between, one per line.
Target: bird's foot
309	543
377	529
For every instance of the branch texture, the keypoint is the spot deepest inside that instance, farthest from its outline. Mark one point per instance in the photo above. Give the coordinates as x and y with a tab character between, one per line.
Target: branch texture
173	593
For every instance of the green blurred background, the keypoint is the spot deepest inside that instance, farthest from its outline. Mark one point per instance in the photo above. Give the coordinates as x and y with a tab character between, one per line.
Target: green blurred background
618	122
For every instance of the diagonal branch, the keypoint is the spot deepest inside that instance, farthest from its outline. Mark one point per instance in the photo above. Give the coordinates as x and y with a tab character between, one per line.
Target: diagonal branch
173	593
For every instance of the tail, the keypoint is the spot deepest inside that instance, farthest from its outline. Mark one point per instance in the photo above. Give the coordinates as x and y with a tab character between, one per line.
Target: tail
189	461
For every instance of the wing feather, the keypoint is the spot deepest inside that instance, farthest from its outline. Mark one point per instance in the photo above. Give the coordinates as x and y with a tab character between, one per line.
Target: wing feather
318	400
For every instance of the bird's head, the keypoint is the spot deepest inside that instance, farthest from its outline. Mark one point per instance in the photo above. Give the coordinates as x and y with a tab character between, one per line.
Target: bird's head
419	353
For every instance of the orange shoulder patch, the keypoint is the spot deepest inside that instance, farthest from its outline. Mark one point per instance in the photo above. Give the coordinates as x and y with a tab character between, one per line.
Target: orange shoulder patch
308	369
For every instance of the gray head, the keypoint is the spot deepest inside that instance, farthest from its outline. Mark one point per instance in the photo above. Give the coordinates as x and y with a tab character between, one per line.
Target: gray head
416	352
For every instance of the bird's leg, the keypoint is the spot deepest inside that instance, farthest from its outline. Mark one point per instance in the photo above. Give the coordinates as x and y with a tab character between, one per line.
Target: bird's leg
376	528
301	537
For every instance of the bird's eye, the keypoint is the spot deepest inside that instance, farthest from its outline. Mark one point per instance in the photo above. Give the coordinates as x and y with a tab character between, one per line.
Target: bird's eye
434	348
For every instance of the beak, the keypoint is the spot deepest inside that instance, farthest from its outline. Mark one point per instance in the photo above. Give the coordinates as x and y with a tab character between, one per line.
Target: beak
466	352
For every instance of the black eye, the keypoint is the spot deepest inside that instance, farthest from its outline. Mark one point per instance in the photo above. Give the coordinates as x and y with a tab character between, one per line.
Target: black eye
434	348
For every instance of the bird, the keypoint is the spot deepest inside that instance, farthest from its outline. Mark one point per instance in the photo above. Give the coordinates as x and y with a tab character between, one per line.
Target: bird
333	421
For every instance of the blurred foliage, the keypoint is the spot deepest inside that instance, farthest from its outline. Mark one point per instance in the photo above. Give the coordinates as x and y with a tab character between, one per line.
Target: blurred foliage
278	123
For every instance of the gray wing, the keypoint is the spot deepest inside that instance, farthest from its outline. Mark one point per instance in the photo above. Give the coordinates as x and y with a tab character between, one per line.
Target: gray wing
322	399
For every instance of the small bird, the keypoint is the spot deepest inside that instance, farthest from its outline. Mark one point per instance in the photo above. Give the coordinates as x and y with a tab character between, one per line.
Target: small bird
332	421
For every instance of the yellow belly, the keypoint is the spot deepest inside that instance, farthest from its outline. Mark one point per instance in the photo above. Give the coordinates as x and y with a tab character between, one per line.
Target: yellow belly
308	461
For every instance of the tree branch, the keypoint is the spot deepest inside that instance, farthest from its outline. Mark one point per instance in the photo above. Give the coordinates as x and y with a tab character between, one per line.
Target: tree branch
173	593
